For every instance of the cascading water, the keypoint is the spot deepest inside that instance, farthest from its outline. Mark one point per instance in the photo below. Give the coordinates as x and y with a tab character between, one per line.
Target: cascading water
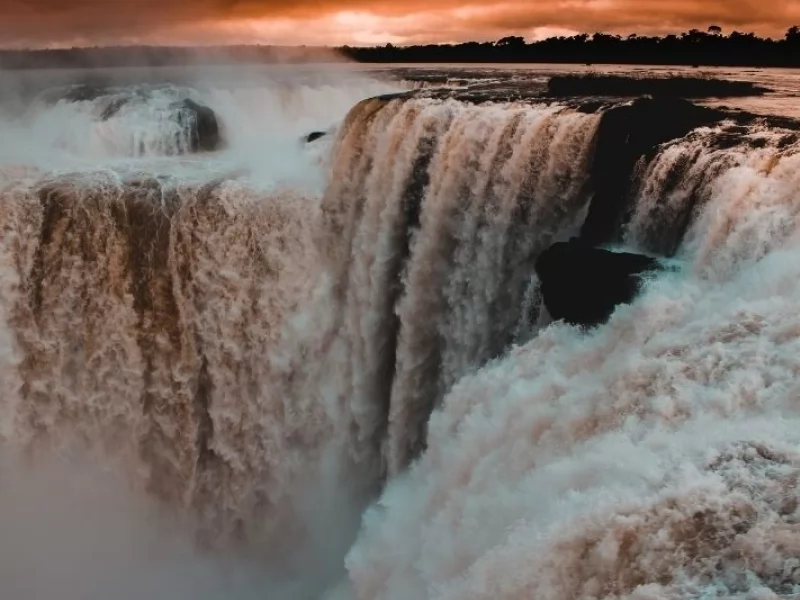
655	457
263	340
430	216
160	313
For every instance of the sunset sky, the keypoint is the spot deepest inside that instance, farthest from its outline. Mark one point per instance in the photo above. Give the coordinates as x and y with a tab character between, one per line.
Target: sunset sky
366	22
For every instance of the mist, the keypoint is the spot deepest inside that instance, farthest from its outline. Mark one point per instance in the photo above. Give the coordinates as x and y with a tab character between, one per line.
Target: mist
73	527
302	369
102	497
263	114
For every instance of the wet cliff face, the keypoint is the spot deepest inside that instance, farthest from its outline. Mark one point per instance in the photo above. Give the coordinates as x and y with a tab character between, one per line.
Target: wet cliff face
580	283
627	135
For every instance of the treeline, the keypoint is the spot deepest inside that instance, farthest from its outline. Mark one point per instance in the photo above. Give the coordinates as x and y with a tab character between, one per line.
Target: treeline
694	47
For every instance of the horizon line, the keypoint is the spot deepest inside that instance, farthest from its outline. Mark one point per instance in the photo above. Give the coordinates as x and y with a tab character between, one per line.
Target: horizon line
167	46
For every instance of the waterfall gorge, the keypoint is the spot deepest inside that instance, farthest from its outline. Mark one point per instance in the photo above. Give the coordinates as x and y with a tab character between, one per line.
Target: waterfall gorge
259	344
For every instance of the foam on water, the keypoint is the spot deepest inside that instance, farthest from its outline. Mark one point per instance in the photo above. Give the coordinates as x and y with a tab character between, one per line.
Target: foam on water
262	127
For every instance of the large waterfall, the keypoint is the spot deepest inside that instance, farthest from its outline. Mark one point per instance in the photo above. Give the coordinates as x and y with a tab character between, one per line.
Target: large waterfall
431	221
215	360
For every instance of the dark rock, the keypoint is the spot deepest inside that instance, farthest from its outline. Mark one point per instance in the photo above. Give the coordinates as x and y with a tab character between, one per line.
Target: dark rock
625	135
725	140
625	86
788	140
73	93
202	123
590	107
583	285
396	96
111	100
83	93
113	107
315	135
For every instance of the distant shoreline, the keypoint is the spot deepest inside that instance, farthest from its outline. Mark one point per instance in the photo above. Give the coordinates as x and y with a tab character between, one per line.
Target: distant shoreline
691	49
16	65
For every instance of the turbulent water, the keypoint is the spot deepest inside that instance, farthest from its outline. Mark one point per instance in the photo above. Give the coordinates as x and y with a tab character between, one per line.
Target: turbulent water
294	370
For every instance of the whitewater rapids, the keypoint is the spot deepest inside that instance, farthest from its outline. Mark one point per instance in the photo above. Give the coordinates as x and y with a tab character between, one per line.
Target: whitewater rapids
213	364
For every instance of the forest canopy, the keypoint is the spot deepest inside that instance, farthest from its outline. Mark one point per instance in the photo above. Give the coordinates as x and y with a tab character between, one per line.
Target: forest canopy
695	47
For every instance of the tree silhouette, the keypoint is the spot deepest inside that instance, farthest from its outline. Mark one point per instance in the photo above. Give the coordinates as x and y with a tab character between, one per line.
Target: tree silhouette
511	41
693	47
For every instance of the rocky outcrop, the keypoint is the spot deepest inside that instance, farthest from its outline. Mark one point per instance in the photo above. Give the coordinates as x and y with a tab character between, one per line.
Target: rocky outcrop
113	105
314	136
627	134
621	86
202	123
78	93
582	285
198	121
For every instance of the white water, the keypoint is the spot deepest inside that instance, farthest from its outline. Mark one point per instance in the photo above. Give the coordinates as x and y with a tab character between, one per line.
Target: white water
656	457
227	371
154	325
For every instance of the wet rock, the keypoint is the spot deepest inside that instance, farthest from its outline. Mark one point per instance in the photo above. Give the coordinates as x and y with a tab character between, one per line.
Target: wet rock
625	135
314	135
113	106
625	86
202	124
72	93
582	285
81	93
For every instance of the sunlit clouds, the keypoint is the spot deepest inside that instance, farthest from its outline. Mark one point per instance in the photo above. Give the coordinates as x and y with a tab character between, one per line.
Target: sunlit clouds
369	22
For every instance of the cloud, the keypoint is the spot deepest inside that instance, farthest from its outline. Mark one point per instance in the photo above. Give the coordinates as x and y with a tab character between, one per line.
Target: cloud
79	22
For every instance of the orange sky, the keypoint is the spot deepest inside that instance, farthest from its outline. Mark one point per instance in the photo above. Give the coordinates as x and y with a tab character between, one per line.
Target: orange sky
334	22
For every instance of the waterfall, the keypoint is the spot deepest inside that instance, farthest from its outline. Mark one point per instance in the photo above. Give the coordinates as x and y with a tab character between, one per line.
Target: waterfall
264	346
655	457
436	213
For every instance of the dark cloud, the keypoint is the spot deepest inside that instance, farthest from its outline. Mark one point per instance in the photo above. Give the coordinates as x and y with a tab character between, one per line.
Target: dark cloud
65	22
